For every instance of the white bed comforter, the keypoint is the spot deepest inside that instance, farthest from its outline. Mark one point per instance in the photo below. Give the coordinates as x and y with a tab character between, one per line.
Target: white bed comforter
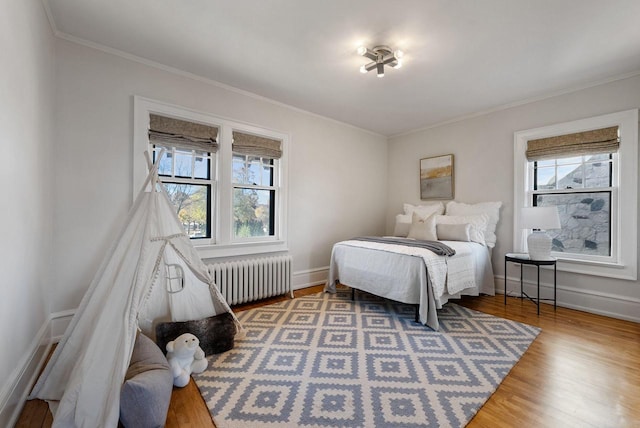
386	271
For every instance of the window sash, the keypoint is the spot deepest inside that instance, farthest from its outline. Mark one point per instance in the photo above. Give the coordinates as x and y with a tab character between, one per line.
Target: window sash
583	164
246	184
176	178
580	232
533	192
263	163
273	203
208	204
174	153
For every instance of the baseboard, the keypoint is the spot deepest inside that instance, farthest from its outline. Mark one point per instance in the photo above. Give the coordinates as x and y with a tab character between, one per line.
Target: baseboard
59	323
595	302
606	304
300	279
15	390
309	277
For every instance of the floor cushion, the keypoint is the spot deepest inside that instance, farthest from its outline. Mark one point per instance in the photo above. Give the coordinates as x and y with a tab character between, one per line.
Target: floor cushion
146	391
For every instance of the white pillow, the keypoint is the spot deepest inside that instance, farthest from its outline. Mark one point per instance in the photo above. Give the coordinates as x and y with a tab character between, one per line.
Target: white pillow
403	223
478	224
491	209
423	228
424	210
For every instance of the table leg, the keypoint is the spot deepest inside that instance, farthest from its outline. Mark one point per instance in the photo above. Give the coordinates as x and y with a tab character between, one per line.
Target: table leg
538	298
521	287
554	286
505	281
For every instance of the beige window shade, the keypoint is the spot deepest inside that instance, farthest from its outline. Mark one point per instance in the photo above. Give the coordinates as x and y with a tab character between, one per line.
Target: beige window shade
169	132
246	144
581	143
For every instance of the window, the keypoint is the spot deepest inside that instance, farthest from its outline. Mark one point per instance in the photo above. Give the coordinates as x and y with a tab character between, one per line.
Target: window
581	188
186	175
588	169
226	179
254	196
255	166
186	169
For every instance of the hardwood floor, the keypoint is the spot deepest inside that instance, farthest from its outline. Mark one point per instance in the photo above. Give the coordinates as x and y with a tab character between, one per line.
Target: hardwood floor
583	370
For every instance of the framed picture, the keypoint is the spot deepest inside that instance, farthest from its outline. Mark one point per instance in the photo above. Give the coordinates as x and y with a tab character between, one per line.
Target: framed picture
436	177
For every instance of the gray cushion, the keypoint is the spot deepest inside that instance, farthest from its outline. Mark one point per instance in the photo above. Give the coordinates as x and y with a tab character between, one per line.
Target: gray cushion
146	392
453	232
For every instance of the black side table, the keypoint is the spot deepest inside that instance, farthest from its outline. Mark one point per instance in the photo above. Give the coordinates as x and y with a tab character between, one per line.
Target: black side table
523	259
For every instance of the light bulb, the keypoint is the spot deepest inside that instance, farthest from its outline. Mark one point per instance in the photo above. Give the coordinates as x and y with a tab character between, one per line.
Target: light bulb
361	50
398	65
363	69
398	54
380	69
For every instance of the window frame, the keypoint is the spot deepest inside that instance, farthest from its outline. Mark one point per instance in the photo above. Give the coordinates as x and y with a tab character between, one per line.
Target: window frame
222	243
273	187
208	183
624	196
611	189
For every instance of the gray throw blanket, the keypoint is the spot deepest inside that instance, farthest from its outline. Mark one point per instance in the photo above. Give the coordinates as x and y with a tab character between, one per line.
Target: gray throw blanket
435	246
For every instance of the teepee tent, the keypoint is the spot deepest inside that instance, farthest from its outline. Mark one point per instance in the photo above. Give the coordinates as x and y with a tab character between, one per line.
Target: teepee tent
151	274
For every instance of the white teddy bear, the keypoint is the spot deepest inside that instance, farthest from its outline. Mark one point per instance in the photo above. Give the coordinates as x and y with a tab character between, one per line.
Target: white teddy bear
185	356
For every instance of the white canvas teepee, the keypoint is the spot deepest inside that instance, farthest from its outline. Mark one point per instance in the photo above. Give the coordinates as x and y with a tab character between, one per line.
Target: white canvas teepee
131	289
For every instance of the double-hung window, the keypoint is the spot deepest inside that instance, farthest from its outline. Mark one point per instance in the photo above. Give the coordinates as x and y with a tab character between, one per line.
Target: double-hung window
588	170
187	170
581	186
254	182
226	180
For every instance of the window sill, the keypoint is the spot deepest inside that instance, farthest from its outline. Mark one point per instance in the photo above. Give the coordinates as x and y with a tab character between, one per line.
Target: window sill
618	270
240	249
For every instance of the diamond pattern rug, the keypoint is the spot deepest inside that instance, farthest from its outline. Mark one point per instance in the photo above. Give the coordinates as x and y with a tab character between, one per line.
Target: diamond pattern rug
325	361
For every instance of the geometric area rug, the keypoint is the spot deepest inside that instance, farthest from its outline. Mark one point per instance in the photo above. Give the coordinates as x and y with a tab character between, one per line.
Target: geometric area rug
326	361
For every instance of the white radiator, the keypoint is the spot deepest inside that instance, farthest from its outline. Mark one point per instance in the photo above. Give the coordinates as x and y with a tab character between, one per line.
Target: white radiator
242	281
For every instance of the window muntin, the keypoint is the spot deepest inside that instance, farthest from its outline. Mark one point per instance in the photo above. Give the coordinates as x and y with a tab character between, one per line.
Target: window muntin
254	196
186	176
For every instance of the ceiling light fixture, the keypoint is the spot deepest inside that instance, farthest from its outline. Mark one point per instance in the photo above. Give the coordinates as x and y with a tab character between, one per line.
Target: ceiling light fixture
380	56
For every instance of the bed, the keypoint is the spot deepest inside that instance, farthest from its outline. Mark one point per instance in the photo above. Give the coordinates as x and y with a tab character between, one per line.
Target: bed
417	276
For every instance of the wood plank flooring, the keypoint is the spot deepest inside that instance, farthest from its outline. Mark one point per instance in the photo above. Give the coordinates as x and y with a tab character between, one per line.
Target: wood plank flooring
583	370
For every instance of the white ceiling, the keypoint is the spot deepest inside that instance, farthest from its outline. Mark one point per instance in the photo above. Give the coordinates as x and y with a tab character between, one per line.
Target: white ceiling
461	56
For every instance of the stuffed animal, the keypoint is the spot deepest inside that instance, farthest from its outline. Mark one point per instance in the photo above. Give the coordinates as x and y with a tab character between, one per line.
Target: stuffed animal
185	356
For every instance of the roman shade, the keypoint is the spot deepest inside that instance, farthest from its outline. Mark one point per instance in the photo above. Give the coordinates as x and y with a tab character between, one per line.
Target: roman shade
247	144
181	134
592	142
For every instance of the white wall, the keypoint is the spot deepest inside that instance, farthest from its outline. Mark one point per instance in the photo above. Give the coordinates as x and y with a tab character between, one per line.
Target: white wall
26	96
483	149
337	173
